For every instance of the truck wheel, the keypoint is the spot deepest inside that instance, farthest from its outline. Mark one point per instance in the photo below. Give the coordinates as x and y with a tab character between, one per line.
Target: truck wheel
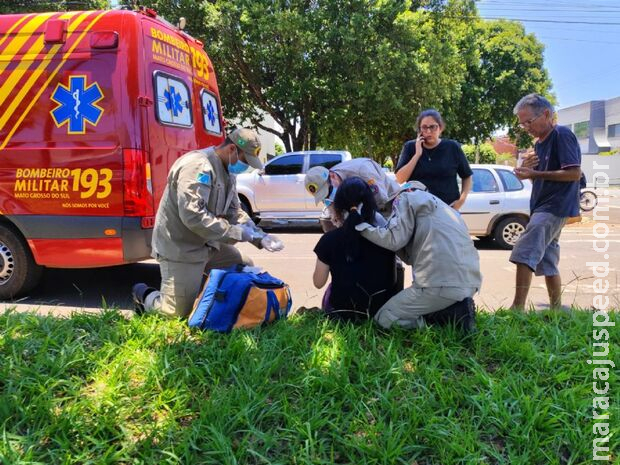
508	231
18	271
245	206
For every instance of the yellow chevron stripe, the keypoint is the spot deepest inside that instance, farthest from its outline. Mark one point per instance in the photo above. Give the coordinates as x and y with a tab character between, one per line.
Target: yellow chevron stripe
18	42
49	79
34	50
13	27
10	85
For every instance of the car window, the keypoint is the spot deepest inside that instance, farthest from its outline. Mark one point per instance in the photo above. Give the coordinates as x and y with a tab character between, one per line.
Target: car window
325	159
484	181
288	164
509	180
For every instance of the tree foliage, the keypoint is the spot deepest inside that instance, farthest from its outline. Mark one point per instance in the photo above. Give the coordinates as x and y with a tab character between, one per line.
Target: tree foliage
505	64
354	74
486	153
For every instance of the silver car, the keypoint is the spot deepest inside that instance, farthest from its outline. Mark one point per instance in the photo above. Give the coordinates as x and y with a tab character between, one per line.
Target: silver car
498	206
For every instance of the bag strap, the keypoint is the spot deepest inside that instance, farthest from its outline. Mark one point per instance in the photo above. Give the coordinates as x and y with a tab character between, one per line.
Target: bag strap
272	305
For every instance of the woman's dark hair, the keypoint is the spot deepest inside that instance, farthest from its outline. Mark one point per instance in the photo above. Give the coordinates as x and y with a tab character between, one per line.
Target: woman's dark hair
433	114
350	194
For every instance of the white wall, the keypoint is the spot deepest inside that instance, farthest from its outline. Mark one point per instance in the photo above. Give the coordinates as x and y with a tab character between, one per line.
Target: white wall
267	139
609	165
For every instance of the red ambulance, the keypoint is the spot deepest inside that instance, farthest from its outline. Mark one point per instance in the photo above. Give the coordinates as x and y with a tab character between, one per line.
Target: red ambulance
95	106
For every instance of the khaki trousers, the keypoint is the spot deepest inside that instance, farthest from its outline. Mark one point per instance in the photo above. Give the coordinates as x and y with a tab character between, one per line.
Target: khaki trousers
180	282
408	307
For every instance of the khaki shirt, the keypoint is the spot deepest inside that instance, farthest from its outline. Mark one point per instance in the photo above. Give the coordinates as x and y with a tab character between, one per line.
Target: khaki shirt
382	186
199	209
431	237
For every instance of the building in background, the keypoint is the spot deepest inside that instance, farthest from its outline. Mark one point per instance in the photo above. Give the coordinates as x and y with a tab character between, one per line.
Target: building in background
597	127
503	144
596	124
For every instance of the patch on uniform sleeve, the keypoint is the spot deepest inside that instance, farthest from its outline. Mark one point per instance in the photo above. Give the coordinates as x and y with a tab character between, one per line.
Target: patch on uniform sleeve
373	186
205	178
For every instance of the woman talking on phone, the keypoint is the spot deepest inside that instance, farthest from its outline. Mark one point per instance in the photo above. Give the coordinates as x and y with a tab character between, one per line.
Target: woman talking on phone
434	161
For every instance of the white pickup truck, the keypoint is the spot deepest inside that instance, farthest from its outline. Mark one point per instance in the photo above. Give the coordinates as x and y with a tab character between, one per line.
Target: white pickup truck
277	192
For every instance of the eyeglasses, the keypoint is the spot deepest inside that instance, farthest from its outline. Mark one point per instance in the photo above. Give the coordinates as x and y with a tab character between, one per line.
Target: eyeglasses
431	128
530	121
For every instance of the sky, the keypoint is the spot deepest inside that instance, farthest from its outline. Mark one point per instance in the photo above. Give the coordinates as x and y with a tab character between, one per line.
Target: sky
581	39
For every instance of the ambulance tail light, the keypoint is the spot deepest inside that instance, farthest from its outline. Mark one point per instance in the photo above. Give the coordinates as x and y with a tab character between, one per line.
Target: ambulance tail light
138	187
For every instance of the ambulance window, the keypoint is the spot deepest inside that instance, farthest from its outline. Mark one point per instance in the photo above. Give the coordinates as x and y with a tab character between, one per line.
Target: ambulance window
173	105
210	112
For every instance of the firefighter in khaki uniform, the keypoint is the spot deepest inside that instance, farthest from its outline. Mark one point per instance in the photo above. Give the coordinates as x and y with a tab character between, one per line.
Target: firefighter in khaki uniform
198	221
323	183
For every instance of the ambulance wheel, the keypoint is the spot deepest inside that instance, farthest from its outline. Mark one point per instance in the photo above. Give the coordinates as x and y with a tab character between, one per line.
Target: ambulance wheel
18	271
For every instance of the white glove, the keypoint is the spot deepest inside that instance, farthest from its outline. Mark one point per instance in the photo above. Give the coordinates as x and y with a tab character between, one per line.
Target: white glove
272	243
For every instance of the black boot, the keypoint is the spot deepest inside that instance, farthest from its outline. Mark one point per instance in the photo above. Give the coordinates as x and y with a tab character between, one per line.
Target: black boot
138	293
462	314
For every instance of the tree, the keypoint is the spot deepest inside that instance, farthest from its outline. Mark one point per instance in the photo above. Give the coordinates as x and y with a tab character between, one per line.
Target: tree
507	64
355	73
484	152
414	64
340	73
303	62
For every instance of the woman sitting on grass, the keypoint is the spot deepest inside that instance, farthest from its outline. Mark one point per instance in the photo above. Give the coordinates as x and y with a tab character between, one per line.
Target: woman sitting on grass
363	274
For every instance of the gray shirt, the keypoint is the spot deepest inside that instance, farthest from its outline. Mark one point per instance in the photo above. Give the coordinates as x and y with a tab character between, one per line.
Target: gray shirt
199	209
383	187
431	237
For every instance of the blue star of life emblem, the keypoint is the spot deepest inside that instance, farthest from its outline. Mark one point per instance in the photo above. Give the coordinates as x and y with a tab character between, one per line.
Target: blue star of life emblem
77	104
211	113
173	101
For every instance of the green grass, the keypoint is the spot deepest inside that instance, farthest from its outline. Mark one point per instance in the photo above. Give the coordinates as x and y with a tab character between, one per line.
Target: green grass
102	389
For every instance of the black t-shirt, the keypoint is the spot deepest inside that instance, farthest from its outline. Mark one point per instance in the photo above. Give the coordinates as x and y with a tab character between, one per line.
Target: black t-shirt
437	168
363	285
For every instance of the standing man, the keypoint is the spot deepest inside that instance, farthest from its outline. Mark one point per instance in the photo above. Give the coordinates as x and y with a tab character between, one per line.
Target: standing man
323	183
198	220
555	198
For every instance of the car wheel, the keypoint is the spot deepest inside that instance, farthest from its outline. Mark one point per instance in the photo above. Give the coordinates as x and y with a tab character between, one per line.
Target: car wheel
18	271
508	231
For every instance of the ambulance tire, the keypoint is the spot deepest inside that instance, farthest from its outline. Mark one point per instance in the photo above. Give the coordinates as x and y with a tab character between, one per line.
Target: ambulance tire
18	271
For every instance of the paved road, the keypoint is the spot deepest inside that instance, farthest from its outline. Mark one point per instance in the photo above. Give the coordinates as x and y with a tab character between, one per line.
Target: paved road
63	291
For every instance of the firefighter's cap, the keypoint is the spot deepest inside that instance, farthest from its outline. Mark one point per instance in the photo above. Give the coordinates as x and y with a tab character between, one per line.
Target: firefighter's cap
248	142
317	182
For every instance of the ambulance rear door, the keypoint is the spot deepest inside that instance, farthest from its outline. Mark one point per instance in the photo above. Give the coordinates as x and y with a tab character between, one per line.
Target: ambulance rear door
170	112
